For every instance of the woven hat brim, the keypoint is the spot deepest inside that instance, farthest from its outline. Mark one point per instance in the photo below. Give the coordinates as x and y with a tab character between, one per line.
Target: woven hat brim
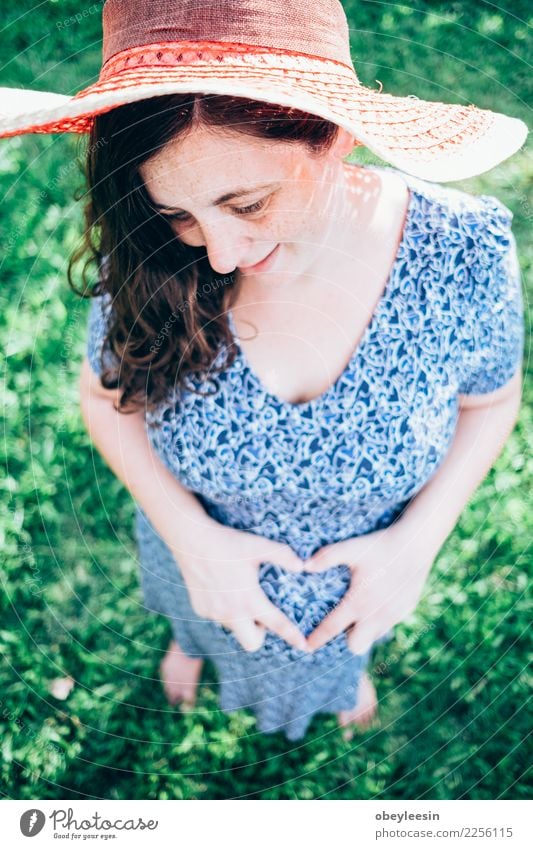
435	141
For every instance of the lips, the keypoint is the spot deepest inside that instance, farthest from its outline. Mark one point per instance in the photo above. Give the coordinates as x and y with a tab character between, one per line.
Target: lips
259	266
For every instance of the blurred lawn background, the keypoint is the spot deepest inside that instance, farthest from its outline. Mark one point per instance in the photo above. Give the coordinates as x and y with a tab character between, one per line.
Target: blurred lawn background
452	684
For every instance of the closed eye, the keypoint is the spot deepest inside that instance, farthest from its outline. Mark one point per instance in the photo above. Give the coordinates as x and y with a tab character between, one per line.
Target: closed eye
248	210
238	210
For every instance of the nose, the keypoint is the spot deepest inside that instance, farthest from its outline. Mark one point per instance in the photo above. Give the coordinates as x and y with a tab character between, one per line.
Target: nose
226	246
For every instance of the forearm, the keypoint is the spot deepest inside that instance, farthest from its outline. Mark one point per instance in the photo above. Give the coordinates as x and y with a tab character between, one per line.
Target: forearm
122	441
479	439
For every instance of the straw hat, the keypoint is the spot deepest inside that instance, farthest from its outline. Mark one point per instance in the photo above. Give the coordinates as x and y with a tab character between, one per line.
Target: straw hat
294	53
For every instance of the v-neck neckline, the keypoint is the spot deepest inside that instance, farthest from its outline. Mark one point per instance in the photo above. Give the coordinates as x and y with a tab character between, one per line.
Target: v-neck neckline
331	389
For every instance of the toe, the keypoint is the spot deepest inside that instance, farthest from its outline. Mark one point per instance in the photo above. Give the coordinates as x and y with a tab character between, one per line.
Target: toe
344	717
180	696
362	715
180	675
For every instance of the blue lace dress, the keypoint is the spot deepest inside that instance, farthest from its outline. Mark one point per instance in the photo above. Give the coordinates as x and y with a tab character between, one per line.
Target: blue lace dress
347	463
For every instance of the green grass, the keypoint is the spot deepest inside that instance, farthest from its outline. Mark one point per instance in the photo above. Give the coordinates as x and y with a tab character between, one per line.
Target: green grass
452	684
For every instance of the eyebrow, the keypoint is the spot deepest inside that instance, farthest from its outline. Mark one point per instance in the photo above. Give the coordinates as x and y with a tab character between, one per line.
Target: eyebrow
224	198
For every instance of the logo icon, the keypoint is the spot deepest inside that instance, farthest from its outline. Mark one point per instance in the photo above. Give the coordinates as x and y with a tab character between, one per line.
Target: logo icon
32	822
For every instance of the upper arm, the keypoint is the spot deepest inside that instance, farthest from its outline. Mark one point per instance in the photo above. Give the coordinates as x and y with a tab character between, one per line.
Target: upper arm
511	388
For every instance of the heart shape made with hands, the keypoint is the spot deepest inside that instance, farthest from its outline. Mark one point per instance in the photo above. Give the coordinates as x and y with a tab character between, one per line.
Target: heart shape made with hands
304	597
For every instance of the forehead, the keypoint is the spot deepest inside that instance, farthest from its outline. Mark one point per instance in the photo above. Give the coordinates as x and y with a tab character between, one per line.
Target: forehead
209	162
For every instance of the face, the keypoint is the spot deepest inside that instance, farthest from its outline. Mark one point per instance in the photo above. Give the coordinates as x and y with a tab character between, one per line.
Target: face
246	200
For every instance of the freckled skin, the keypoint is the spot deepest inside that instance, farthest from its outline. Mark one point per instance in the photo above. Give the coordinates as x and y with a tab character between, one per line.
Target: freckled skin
302	210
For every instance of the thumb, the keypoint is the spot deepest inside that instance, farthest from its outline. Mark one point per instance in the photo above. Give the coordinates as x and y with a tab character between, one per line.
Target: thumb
361	638
250	635
326	557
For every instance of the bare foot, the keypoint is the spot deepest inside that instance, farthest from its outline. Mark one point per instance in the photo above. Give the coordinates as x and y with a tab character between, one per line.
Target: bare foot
364	711
180	675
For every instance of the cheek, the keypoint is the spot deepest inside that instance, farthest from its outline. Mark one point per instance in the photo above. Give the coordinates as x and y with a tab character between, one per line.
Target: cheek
300	226
304	217
187	234
292	223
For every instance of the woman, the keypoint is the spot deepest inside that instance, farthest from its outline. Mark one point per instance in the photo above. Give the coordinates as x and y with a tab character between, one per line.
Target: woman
294	484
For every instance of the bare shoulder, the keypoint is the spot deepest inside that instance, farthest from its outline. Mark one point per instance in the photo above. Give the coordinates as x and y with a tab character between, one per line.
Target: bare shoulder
391	211
395	193
381	196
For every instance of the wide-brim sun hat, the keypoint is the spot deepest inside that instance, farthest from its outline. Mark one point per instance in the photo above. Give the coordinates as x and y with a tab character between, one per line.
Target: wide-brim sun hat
293	53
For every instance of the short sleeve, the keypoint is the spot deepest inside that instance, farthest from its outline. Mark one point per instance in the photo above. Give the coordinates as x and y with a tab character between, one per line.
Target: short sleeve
490	310
100	314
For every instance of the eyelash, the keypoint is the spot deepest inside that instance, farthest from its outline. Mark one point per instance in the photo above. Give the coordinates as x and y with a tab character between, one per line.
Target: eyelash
247	210
242	210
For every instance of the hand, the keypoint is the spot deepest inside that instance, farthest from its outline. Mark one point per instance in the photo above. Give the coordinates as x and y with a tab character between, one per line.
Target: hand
220	566
388	576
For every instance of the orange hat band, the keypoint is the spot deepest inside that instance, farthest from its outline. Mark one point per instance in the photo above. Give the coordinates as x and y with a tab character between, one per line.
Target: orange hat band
166	54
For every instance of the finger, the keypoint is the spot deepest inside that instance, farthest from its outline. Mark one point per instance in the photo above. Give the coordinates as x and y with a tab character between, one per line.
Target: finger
361	638
325	558
279	624
283	555
333	624
250	635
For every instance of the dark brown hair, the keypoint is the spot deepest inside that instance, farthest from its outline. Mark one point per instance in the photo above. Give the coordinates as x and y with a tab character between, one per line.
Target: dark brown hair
154	281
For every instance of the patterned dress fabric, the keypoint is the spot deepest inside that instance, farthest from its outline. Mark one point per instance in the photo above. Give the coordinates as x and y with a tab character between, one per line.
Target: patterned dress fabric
347	463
